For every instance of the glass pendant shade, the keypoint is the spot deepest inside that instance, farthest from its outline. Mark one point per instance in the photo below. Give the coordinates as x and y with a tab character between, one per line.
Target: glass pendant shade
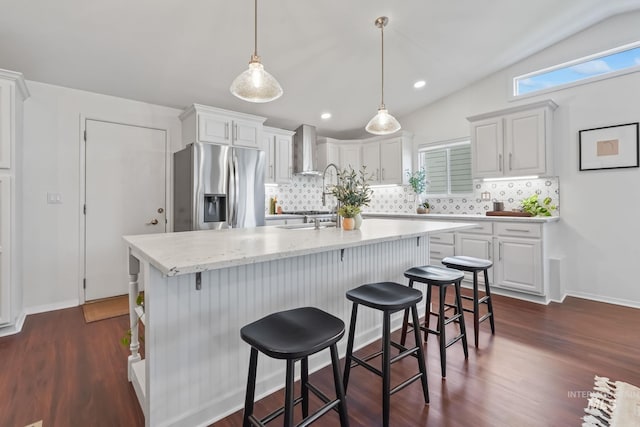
383	123
255	84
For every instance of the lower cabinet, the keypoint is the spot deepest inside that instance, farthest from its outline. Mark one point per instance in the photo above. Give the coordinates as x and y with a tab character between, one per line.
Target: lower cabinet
515	248
518	255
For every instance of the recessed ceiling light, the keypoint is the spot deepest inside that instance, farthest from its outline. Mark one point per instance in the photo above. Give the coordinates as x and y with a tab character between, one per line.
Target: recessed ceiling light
325	116
419	84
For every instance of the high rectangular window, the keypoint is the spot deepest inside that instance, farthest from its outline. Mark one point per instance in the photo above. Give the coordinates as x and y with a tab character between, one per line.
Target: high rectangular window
622	60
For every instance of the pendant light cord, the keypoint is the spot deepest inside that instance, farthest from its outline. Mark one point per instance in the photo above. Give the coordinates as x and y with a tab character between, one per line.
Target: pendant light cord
382	80
255	28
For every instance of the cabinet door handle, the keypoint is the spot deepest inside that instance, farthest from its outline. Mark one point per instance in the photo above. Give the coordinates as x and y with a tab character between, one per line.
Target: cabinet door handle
489	250
517	230
435	238
510	167
377	174
436	252
226	131
270	171
500	162
383	174
500	251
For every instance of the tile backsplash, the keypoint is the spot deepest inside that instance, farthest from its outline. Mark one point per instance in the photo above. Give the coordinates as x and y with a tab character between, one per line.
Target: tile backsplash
305	193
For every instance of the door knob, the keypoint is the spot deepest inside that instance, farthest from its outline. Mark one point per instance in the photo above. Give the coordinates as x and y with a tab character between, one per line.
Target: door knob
153	222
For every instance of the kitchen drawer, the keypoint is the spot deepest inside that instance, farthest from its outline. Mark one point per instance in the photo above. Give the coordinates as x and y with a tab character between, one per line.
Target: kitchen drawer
518	229
438	251
442	238
482	227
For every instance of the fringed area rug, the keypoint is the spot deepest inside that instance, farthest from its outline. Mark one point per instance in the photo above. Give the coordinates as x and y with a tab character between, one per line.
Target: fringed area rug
612	404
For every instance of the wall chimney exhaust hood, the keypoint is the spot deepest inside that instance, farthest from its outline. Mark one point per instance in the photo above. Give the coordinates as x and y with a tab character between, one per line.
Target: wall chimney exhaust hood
305	157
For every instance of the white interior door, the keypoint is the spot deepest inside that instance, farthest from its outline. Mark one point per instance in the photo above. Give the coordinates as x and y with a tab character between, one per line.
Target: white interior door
125	180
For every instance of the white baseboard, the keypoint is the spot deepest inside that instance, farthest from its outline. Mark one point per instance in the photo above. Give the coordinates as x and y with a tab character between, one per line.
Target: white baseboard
51	307
600	298
15	328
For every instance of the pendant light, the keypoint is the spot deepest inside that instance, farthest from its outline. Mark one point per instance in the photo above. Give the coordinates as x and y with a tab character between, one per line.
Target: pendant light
255	84
382	123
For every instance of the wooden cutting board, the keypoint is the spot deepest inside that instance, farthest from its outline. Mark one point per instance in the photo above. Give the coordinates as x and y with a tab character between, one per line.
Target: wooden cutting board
507	213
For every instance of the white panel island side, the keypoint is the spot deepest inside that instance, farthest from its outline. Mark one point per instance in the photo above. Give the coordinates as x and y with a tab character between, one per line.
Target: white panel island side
201	287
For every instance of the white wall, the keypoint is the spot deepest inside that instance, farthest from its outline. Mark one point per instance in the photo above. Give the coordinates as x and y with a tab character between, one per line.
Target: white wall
51	249
599	208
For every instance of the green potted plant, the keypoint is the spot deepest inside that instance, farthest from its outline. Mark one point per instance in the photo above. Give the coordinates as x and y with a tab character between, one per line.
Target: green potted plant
348	212
535	208
418	182
353	190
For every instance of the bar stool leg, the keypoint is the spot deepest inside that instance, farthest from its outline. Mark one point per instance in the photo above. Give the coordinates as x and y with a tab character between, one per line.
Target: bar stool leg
427	313
347	358
441	332
386	368
288	395
251	388
304	387
421	364
463	329
337	380
405	322
489	301
476	308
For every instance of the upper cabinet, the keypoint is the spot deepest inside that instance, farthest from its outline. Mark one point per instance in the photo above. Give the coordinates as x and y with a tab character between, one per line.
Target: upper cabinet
208	124
278	146
387	159
513	142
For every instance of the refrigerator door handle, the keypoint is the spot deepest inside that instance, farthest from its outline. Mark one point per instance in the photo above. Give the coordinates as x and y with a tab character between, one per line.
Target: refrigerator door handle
234	190
231	195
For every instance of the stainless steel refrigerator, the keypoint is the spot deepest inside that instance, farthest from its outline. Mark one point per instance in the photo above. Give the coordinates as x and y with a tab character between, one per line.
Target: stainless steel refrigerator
216	186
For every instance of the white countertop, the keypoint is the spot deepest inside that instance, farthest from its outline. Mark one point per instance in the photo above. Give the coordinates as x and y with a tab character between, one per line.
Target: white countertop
444	217
195	251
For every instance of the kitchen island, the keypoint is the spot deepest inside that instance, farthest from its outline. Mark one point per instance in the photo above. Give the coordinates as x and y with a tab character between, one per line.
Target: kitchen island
201	287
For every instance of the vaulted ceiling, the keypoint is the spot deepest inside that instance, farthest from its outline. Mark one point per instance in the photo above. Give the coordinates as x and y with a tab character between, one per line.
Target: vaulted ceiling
325	54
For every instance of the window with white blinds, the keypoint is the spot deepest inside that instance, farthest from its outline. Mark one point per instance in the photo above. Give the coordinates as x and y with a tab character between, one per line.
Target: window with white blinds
448	168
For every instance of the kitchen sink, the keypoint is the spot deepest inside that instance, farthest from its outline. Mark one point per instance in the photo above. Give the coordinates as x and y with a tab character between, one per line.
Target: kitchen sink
308	226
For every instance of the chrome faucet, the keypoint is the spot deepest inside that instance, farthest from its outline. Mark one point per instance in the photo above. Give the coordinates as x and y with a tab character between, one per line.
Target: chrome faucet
325	192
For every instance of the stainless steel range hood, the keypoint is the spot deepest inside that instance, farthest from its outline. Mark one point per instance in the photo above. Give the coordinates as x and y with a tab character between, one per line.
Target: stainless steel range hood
305	157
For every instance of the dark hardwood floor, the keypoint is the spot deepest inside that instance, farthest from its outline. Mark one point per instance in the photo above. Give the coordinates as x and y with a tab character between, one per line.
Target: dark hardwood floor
535	371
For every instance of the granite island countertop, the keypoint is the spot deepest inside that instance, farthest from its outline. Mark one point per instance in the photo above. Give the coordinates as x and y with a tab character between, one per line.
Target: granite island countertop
197	251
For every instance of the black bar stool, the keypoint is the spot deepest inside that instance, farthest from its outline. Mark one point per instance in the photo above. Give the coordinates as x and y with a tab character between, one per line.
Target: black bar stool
441	277
295	335
475	265
389	298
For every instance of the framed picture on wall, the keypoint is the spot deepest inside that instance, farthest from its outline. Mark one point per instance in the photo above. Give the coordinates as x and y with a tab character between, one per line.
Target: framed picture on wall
609	147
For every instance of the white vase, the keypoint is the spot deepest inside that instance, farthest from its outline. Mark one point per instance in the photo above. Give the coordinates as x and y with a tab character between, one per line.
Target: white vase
358	221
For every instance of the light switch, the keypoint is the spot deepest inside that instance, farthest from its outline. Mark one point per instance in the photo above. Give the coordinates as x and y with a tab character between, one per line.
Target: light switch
54	198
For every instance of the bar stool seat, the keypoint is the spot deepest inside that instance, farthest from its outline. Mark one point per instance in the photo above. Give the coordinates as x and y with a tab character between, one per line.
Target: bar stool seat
388	297
475	265
442	278
294	335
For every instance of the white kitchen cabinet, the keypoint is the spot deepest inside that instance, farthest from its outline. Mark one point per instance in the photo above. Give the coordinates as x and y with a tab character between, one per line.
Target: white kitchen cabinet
13	92
526	262
328	152
477	243
201	123
513	142
350	156
441	245
277	144
518	255
283	158
388	159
